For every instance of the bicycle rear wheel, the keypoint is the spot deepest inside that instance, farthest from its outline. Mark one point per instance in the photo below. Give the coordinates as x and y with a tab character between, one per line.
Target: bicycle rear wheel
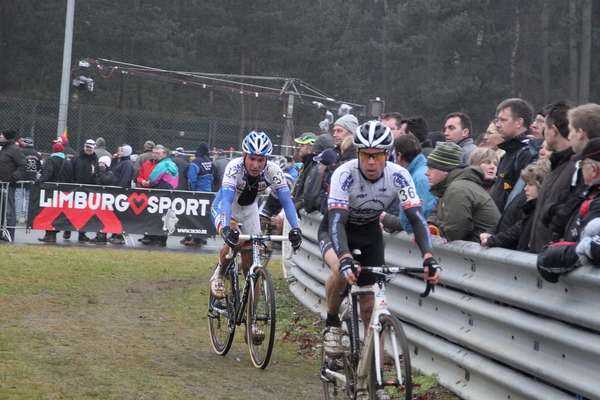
396	359
260	318
221	316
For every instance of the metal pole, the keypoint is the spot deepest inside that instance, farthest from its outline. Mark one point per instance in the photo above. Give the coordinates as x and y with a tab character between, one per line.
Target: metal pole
63	109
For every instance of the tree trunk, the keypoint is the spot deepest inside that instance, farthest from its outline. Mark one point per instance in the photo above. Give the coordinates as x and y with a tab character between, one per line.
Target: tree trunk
513	55
573	50
586	51
242	103
545	52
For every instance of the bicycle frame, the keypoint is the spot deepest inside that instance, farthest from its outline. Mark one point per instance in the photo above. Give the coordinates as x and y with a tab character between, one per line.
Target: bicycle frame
257	241
371	341
359	361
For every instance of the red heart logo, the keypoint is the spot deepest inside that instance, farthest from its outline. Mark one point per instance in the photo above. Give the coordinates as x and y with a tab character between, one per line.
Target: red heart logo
138	202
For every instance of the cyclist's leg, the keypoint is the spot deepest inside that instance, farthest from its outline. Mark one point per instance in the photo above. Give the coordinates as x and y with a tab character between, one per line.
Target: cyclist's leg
369	240
334	285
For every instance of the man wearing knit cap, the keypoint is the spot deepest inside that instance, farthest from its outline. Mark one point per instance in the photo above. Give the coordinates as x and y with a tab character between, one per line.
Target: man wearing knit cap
13	167
100	149
122	171
142	158
465	209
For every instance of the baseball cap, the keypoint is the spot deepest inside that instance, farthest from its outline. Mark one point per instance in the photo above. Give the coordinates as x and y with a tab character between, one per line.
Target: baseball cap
306	138
591	151
27	140
90	143
327	157
62	139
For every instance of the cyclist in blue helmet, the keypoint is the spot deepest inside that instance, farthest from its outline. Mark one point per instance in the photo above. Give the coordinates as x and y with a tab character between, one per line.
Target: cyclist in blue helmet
246	178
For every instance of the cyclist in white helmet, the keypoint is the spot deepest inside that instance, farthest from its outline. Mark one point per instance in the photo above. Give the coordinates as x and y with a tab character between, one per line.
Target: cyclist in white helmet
246	178
360	191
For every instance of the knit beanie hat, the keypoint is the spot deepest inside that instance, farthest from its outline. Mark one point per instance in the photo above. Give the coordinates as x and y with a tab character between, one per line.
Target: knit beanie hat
149	145
58	148
446	156
9	134
348	122
106	160
127	150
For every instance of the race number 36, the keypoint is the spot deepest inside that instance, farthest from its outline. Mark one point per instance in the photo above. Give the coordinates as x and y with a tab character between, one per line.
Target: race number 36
407	194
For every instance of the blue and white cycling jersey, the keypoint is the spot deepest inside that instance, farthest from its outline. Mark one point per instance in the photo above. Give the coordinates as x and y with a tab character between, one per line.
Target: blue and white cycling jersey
366	200
239	191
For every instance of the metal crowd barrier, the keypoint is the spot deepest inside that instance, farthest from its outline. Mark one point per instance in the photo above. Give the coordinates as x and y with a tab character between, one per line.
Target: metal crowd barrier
20	203
493	329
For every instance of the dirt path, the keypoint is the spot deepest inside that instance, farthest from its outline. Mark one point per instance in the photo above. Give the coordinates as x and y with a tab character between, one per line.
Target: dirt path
125	344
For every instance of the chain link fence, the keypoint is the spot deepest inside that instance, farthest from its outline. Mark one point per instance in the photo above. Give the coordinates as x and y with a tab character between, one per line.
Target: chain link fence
38	119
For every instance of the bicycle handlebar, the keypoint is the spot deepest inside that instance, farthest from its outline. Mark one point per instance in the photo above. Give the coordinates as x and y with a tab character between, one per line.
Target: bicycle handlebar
274	238
384	270
261	237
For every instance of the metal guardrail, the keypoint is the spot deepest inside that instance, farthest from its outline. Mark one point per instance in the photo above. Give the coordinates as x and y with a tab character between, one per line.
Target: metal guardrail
493	329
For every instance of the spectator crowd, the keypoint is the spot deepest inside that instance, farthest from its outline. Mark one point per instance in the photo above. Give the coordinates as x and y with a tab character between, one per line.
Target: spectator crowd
530	182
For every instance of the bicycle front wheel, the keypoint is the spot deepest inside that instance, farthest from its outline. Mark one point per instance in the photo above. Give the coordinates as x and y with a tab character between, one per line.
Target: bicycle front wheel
260	318
333	388
396	379
221	316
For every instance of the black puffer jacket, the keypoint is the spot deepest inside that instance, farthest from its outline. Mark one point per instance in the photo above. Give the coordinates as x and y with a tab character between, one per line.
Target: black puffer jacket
85	168
509	169
517	236
57	169
13	165
560	257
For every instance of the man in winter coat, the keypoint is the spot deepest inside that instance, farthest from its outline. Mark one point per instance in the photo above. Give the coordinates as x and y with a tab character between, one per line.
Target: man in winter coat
182	166
465	209
513	120
122	170
105	177
219	164
309	166
34	166
562	168
200	177
142	158
458	129
562	256
13	167
200	171
57	168
85	171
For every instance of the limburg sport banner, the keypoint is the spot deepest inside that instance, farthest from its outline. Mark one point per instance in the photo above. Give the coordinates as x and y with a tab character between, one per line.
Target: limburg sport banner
88	208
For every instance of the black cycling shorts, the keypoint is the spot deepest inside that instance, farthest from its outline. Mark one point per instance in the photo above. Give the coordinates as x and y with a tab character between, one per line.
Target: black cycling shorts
367	238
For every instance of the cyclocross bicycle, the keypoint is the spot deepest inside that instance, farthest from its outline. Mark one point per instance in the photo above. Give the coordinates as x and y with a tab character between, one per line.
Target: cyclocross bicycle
383	361
254	306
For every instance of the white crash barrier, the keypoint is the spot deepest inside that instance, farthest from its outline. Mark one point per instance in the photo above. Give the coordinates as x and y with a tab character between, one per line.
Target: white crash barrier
493	329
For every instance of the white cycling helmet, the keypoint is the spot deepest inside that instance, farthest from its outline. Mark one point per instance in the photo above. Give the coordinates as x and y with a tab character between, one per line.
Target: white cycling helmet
373	135
258	144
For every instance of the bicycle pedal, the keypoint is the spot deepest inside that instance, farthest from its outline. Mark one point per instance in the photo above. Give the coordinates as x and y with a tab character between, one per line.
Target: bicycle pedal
327	379
219	304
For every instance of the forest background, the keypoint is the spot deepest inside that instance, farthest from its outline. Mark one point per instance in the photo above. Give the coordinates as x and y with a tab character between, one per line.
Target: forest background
422	57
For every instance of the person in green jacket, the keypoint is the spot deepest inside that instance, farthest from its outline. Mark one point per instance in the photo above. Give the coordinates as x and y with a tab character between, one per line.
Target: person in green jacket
465	209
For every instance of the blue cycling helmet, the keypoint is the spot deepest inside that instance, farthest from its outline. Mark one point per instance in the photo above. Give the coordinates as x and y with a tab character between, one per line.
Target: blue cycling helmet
258	144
